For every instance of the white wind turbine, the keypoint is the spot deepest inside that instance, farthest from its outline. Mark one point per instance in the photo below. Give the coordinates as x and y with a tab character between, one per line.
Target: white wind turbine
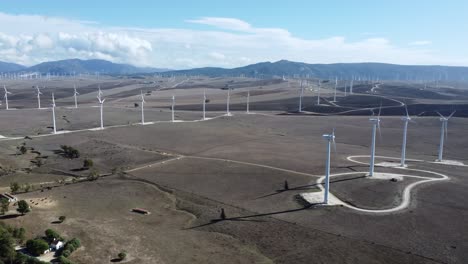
204	104
248	102
142	108
406	119
228	102
375	125
318	94
38	97
336	86
6	96
330	140
53	113
75	95
101	104
300	98
173	107
443	133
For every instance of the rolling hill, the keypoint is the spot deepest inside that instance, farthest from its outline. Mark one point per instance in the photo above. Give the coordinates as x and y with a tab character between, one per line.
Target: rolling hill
9	67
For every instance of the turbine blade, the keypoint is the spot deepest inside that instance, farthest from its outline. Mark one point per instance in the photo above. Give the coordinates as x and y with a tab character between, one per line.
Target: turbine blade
406	108
440	114
446	130
451	114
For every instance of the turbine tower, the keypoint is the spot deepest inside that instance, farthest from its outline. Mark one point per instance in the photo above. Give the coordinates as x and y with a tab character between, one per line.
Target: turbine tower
6	97
172	107
228	102
53	113
248	102
204	104
38	97
75	95
330	140
101	103
318	94
142	108
336	86
443	133
300	98
406	119
375	125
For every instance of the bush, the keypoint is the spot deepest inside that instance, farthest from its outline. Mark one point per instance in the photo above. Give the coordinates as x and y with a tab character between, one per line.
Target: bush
52	235
70	152
64	260
4	206
88	163
37	246
14	187
122	255
62	218
23	207
93	175
66	253
23	149
19	233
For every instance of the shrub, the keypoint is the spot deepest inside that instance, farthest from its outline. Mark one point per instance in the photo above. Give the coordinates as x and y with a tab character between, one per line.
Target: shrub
14	187
64	260
70	152
4	206
122	255
36	246
88	163
23	149
52	235
66	253
23	207
62	218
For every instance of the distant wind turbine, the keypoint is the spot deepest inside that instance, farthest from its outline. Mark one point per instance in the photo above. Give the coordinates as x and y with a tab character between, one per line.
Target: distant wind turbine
101	104
300	98
38	97
375	125
75	95
6	97
228	102
142	108
443	132
53	113
406	119
204	104
173	107
248	101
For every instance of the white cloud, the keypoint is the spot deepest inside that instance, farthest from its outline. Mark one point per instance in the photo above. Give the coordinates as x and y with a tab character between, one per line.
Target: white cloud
231	42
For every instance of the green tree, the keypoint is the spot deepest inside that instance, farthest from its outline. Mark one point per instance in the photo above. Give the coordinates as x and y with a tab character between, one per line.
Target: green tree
36	246
70	152
52	235
23	149
7	250
14	187
23	207
4	206
122	255
19	234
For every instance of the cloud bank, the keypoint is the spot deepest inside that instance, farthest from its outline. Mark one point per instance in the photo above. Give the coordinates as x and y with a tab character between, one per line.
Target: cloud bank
225	42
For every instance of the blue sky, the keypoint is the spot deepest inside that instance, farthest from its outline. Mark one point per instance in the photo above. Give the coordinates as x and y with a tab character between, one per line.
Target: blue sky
182	34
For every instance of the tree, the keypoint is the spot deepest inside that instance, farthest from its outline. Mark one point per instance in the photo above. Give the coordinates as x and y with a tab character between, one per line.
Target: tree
26	187
88	163
19	234
14	187
36	246
70	152
62	218
23	207
4	206
23	149
122	255
52	235
7	250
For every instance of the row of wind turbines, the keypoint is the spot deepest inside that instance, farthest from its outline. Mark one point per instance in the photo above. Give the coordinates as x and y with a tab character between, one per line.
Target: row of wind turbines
375	122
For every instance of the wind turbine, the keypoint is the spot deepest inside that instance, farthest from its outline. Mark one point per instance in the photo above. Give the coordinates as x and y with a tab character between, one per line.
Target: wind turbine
375	125
336	85
6	97
300	98
53	113
443	133
204	104
101	103
75	95
351	86
142	108
38	97
228	102
172	107
330	140
248	101
406	119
